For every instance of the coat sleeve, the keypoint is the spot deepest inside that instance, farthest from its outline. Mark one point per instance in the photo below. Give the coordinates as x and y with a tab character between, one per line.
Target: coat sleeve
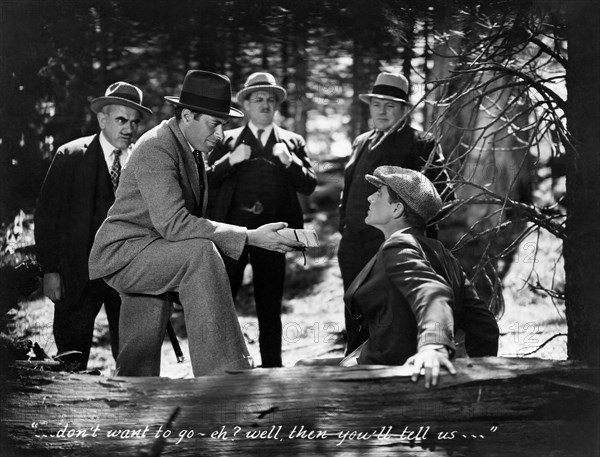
50	212
480	326
300	172
160	184
427	293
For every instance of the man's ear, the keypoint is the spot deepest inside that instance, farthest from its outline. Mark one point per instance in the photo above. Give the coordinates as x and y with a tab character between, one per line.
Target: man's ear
398	210
101	119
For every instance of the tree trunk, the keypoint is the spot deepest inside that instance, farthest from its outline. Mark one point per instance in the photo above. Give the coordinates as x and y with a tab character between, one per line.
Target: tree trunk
582	246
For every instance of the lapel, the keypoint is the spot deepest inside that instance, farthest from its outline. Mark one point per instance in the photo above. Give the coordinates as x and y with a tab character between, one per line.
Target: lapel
241	138
360	278
189	164
91	155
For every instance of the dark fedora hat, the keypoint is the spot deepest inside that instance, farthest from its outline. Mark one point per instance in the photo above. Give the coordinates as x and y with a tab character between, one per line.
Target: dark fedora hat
121	93
206	92
388	86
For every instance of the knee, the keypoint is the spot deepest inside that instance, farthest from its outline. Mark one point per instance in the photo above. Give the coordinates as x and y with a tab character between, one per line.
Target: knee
202	252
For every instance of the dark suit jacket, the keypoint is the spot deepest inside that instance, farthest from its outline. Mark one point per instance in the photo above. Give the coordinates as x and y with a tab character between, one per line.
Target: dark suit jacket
158	197
407	148
223	177
64	214
414	292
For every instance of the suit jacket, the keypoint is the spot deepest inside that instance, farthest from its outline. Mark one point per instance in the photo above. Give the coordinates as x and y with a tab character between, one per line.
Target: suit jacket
414	292
158	197
223	177
407	148
64	214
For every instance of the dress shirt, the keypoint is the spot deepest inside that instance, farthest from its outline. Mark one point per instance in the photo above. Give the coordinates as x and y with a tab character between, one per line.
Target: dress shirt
108	150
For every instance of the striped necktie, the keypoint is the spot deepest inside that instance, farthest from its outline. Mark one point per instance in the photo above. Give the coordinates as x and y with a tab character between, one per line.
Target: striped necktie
115	170
201	172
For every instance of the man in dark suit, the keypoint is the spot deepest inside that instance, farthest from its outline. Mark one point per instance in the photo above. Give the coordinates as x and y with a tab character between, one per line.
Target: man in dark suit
413	295
156	240
77	192
392	142
257	171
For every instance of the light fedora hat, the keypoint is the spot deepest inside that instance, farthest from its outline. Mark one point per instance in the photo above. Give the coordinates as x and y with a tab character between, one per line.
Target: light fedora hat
388	86
121	93
261	81
414	188
206	92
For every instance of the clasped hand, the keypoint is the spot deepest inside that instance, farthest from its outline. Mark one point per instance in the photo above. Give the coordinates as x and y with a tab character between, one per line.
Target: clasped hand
266	237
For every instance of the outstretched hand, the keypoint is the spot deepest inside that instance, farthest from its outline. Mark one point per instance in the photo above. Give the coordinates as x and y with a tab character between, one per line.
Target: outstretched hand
430	358
266	237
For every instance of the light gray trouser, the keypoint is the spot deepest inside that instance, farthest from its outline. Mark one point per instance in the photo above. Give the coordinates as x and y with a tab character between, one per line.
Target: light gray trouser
193	268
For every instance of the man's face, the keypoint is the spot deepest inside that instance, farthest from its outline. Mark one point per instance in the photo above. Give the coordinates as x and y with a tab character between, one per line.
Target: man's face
119	124
204	132
381	211
385	113
260	106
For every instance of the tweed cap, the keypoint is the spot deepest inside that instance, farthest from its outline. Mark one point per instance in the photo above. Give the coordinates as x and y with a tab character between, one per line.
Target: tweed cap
414	188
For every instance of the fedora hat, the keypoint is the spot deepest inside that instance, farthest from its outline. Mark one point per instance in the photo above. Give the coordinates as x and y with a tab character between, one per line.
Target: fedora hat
206	92
121	93
414	188
388	86
261	81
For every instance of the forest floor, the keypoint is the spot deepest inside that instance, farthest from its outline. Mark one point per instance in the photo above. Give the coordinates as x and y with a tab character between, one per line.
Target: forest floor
532	325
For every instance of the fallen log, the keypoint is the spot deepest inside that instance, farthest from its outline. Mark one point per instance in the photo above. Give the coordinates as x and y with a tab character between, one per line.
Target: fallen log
492	407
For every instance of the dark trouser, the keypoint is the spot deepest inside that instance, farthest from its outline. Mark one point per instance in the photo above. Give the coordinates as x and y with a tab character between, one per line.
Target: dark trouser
355	251
74	323
268	272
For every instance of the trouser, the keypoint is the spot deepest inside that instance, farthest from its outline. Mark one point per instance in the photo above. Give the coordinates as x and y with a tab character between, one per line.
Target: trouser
354	252
74	323
268	275
194	269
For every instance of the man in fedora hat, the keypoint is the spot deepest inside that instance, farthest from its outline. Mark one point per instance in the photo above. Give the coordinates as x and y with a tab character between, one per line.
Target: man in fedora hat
257	171
156	240
392	141
77	192
412	295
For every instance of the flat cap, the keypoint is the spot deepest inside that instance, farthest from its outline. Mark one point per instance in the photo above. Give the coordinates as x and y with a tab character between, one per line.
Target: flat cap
414	188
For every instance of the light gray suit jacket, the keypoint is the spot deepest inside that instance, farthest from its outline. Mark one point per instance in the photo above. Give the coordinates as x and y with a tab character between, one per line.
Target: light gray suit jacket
158	197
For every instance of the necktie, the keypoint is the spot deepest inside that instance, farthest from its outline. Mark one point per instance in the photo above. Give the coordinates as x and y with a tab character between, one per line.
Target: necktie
259	133
200	166
115	170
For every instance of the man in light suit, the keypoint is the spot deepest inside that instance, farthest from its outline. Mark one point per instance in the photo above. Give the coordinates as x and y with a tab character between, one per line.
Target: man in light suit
413	294
256	173
75	197
391	142
156	241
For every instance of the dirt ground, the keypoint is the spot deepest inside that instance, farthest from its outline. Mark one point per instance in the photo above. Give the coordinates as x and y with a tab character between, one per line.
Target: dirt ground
533	325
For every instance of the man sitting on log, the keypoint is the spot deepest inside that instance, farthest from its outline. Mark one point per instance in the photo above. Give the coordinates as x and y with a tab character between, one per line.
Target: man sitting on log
413	294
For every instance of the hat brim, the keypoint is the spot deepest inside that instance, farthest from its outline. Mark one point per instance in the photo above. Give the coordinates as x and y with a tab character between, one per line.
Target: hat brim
98	103
375	180
367	98
232	111
280	92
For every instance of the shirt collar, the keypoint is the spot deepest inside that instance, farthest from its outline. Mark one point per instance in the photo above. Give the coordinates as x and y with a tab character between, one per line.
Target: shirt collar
267	130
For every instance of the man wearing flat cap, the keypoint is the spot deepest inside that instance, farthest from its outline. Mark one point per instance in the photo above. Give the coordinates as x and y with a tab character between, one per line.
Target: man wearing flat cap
391	142
156	240
257	171
78	191
413	295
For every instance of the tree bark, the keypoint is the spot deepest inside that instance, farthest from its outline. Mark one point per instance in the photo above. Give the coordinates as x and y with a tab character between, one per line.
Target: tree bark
582	246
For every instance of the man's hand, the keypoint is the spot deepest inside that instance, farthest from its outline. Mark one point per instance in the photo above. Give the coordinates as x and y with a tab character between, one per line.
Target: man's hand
430	358
281	151
54	288
266	237
241	153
